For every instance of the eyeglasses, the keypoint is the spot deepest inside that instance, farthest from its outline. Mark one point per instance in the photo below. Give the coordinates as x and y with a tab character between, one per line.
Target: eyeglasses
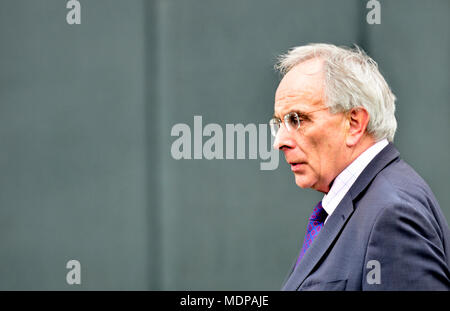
292	121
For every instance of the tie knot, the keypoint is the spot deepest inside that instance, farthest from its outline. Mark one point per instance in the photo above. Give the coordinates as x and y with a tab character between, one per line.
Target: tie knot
318	214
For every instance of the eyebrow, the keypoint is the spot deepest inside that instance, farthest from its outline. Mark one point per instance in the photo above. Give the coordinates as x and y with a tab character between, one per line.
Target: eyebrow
300	113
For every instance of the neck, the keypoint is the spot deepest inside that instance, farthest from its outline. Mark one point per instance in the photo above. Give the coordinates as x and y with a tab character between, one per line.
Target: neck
351	154
365	143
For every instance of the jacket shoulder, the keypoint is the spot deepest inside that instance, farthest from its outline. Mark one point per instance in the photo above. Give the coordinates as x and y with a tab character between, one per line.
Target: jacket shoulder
409	234
399	184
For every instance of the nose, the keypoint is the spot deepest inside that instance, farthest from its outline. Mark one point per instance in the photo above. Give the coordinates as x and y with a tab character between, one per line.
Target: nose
284	139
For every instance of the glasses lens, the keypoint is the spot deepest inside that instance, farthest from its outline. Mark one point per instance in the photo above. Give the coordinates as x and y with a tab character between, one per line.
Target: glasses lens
292	121
274	126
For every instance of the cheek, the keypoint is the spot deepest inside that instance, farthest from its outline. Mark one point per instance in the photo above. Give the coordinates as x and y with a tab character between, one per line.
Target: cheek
332	133
312	149
331	149
323	146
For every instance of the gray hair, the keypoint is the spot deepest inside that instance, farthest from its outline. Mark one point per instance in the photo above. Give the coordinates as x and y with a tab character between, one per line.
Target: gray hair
352	80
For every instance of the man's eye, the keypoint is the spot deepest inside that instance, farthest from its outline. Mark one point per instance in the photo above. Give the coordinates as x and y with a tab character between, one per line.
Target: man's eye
294	119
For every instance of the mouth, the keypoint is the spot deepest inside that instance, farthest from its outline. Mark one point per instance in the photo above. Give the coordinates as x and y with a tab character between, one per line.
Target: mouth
296	166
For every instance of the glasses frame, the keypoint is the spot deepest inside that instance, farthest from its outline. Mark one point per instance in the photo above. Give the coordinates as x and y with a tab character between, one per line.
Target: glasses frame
275	120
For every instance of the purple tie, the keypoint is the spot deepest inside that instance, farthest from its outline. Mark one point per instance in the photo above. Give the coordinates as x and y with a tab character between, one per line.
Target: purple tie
315	224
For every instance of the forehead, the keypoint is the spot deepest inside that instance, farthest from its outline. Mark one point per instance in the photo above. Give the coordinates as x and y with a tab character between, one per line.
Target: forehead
301	88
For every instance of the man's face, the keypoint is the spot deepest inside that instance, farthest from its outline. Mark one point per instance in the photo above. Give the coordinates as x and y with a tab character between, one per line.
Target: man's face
317	150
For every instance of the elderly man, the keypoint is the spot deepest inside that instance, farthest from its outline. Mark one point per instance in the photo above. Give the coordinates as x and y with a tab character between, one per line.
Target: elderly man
378	226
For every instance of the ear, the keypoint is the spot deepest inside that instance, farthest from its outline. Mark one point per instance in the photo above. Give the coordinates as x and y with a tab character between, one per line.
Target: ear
357	119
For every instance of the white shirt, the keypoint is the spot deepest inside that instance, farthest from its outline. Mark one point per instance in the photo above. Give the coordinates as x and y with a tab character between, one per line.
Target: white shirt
344	181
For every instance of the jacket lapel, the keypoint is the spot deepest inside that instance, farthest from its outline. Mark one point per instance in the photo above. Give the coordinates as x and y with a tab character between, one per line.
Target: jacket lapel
337	220
323	241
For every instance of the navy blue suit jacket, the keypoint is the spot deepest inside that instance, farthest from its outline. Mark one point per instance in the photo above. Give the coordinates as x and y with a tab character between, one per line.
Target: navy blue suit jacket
389	216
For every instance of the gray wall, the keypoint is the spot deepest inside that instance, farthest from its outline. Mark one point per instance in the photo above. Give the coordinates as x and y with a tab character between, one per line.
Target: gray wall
87	112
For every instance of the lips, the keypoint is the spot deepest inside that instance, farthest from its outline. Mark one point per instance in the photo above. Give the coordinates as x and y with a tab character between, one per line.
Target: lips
297	166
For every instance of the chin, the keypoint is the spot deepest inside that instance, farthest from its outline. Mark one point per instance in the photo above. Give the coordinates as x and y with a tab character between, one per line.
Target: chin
303	182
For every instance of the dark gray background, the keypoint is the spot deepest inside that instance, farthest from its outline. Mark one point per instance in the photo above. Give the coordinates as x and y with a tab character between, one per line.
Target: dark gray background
85	120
